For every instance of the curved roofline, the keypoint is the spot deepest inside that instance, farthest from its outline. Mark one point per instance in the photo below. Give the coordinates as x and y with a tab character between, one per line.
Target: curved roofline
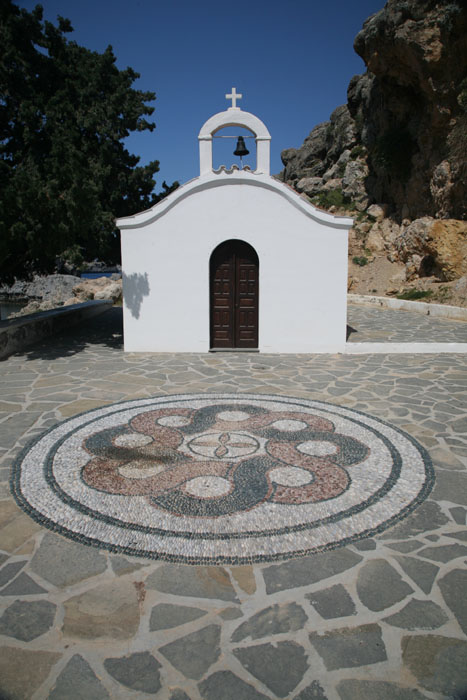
234	117
223	179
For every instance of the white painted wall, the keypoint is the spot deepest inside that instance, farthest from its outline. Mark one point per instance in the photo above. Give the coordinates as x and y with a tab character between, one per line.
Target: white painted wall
302	266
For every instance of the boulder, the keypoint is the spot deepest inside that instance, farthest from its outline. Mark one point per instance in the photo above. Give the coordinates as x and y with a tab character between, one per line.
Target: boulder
334	184
288	154
112	291
71	301
375	241
83	292
390	230
315	144
460	286
353	182
377	211
441	245
309	185
412	267
44	287
338	168
99	288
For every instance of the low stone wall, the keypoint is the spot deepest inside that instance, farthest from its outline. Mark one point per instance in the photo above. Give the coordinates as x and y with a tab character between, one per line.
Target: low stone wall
453	313
17	333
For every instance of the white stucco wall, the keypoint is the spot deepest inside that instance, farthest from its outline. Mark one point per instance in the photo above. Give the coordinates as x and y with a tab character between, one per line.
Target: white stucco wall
302	266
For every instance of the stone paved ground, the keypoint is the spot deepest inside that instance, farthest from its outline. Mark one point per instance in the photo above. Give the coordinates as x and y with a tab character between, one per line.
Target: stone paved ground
382	618
394	326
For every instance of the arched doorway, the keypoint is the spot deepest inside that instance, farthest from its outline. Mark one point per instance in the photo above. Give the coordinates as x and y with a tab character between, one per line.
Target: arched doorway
234	296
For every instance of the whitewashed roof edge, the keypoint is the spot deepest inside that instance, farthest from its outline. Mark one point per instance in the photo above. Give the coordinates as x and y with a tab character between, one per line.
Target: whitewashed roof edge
232	178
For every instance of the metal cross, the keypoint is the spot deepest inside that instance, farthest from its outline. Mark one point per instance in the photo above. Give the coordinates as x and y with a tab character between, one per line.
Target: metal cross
234	97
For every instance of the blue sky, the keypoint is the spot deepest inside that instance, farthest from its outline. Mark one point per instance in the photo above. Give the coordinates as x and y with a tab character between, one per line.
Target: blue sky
291	60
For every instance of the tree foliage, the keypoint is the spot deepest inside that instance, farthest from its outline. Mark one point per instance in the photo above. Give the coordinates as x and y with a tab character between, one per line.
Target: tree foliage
64	172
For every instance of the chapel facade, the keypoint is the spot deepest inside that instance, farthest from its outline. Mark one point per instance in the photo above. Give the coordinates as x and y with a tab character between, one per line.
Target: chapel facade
234	260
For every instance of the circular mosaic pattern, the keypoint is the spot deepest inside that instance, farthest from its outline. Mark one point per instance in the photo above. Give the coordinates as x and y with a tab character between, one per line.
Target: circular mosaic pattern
221	478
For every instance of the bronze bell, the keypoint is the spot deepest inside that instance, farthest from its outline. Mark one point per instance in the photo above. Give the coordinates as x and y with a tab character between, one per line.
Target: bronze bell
241	149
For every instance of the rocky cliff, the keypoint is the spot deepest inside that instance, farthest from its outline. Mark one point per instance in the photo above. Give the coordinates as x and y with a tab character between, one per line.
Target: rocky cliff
396	154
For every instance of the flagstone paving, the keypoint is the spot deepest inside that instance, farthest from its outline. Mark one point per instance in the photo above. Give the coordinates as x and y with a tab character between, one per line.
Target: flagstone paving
383	617
394	326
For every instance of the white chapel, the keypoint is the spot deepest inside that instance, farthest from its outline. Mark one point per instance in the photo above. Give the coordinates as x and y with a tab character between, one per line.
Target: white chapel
234	260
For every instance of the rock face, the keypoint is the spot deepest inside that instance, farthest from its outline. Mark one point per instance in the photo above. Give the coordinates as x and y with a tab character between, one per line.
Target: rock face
328	161
401	139
52	291
412	105
396	155
44	288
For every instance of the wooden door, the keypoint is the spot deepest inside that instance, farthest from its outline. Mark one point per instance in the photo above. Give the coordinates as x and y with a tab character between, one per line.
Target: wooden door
234	280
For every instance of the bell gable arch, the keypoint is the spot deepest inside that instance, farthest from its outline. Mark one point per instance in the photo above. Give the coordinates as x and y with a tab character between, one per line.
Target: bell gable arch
235	117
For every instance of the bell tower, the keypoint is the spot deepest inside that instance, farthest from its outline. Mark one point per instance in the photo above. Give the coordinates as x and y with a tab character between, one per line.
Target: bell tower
234	116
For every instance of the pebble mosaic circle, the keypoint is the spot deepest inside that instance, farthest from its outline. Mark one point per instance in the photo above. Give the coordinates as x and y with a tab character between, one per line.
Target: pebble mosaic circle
221	478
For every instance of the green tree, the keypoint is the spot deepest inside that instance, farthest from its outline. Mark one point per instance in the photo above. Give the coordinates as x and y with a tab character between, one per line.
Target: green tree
64	172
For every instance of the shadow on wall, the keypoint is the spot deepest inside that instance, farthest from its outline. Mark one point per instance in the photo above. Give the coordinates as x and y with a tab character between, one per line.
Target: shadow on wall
135	288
